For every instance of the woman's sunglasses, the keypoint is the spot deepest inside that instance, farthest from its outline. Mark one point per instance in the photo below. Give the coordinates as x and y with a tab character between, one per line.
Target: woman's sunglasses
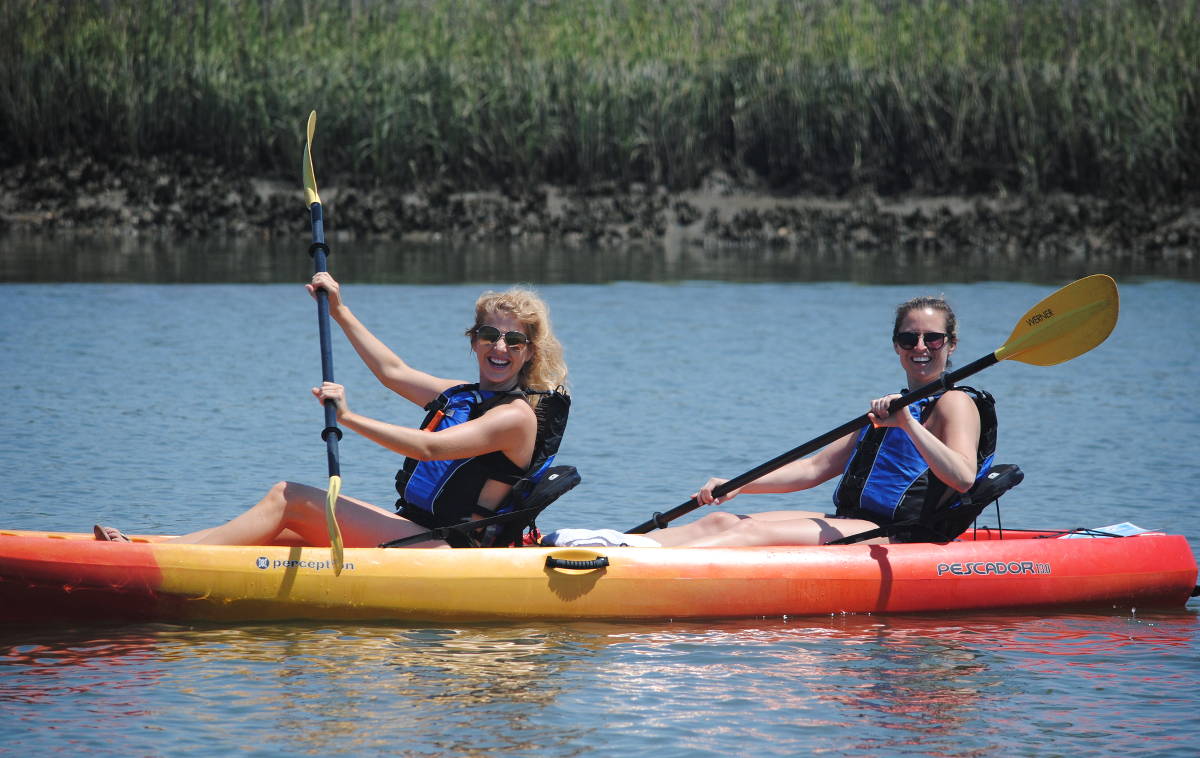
514	340
908	340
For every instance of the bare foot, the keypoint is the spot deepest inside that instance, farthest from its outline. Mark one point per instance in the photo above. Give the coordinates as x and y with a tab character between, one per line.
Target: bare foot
108	534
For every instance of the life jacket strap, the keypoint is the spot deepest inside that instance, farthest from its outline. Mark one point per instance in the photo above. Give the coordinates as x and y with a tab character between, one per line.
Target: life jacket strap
489	531
946	523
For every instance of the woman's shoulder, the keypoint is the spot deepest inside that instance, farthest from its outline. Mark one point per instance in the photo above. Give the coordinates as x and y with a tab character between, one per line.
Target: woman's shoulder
956	402
426	388
513	406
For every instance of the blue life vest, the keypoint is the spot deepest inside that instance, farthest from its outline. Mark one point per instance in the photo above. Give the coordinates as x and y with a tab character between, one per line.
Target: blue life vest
886	480
445	492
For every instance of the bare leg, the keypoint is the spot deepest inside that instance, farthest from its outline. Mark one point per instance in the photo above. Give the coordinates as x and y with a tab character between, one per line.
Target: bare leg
752	532
712	524
290	511
707	526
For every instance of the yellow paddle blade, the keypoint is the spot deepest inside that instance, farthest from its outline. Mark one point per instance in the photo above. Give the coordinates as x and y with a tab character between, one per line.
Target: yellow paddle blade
335	532
306	165
1066	324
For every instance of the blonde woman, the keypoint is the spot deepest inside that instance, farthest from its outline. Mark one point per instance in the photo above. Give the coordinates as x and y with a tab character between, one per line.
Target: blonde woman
461	463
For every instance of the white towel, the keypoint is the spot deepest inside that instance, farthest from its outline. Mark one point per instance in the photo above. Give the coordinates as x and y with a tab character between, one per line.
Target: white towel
596	538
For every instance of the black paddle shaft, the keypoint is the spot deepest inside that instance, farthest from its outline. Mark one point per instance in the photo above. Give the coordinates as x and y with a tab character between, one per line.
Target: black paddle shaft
319	252
945	382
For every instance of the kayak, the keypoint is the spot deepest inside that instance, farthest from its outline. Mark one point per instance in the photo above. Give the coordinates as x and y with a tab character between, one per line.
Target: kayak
49	576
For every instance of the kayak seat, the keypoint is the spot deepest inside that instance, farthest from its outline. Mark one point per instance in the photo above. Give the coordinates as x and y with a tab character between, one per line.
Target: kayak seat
508	527
946	523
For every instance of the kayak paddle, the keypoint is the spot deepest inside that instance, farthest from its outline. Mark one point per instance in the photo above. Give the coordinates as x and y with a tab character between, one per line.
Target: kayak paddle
331	433
1064	325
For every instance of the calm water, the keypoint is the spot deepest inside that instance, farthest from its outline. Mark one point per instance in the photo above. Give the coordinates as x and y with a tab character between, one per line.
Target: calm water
165	407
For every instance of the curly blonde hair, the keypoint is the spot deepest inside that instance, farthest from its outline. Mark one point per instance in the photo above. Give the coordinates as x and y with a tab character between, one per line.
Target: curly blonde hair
546	369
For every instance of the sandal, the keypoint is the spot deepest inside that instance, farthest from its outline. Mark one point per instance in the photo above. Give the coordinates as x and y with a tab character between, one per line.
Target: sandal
108	534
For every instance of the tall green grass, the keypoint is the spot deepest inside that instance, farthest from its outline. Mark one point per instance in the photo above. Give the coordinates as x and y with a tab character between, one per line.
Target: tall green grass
935	95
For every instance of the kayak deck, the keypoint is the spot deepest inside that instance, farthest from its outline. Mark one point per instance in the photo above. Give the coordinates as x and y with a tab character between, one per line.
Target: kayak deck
65	576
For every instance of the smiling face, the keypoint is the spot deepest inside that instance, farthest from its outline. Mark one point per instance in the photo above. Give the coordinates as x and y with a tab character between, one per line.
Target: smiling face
921	363
499	363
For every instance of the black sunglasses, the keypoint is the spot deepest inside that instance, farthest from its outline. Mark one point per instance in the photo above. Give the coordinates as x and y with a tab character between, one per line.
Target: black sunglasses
515	340
908	340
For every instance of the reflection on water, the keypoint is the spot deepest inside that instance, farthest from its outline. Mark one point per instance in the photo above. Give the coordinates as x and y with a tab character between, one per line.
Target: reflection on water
872	685
860	684
443	685
149	260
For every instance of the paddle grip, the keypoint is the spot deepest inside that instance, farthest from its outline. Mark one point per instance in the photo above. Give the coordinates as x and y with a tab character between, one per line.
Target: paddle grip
319	252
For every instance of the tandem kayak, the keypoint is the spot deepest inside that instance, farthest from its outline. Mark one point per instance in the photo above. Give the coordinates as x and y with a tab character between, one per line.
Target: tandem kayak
48	576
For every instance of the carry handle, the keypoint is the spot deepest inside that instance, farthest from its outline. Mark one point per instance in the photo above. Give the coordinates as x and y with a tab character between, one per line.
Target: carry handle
563	563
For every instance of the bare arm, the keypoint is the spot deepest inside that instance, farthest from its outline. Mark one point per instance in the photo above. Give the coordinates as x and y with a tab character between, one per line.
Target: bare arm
406	381
949	440
510	428
797	475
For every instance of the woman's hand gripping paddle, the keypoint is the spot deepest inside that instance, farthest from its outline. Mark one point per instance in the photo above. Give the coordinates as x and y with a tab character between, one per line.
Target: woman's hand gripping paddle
331	433
1066	324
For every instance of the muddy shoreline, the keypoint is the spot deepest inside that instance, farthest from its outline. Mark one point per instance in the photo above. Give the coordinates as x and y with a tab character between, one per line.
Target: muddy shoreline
184	196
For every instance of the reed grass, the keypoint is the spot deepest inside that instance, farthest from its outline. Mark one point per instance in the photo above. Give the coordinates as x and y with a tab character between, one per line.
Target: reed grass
931	95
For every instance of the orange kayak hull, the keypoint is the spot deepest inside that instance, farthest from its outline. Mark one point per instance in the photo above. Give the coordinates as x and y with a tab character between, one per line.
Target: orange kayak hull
47	576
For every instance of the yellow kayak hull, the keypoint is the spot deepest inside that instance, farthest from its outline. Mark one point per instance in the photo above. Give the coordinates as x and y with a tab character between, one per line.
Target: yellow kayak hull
52	576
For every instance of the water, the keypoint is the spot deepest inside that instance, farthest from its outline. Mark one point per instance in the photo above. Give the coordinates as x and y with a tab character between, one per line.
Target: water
1011	685
165	407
